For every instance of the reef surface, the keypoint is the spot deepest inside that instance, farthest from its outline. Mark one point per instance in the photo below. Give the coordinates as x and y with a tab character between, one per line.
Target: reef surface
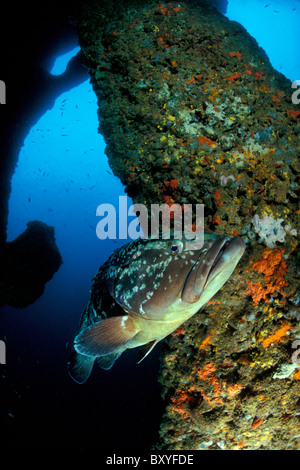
193	112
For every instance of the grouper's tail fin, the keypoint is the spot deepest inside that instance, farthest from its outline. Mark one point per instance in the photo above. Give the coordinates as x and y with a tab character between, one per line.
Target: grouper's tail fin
80	367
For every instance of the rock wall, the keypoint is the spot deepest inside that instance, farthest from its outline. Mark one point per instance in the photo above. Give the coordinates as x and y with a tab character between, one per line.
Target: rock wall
192	112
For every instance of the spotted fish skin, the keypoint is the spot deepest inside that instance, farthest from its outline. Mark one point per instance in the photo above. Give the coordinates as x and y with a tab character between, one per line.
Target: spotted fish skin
144	291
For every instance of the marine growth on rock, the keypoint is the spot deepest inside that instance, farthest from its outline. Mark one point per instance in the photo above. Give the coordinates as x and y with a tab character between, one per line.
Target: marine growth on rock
193	112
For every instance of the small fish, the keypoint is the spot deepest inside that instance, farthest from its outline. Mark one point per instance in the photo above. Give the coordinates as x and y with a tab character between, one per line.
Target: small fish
144	291
29	199
266	6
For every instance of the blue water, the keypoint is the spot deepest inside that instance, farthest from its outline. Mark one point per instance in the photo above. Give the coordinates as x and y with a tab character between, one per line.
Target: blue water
61	177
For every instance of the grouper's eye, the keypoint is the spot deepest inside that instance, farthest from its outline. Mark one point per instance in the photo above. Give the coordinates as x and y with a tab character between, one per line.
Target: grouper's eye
175	248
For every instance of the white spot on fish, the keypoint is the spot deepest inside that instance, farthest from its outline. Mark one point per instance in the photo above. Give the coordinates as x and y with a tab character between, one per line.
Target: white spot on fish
123	321
149	295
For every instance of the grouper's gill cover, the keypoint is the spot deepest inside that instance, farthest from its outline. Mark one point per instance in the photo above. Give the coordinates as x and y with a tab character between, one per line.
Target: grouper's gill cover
154	278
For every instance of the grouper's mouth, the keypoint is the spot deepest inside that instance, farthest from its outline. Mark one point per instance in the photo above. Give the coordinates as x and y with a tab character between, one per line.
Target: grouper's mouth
213	267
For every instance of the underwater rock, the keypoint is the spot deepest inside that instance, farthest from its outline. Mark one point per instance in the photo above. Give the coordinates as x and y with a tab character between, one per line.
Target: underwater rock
27	103
193	112
27	263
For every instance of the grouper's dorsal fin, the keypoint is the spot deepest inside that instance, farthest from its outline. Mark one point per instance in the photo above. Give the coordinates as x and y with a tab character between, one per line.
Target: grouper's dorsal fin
145	350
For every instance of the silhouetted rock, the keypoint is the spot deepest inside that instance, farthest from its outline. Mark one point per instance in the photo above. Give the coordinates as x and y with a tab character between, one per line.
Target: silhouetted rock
27	264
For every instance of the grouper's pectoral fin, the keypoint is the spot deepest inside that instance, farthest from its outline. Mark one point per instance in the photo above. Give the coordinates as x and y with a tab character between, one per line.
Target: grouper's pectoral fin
80	367
145	350
106	337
